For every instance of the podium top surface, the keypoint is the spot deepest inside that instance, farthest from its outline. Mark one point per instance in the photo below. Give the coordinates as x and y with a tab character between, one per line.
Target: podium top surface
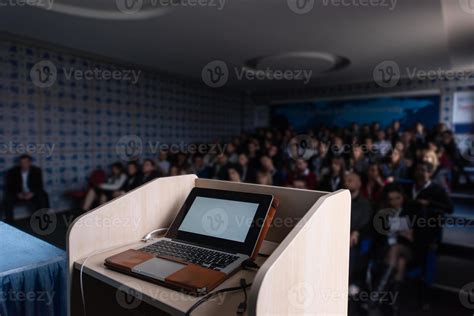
168	300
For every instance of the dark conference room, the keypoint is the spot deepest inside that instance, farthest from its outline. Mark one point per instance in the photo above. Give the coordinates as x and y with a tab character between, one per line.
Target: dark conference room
223	157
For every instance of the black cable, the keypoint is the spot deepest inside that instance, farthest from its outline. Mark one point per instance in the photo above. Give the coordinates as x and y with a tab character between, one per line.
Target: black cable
208	296
243	306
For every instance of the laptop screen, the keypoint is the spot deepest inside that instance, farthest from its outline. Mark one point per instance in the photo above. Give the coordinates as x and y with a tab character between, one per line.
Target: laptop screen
219	218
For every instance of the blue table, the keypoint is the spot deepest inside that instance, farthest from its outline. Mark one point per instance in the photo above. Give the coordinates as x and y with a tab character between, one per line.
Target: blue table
32	275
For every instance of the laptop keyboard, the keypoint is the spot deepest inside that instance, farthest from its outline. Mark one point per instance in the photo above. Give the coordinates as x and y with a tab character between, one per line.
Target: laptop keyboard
200	256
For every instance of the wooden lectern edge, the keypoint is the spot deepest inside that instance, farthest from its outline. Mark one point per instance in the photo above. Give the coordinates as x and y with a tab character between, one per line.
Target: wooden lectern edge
262	306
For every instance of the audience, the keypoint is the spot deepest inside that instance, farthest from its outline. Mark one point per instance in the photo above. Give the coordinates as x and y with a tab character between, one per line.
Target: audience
408	171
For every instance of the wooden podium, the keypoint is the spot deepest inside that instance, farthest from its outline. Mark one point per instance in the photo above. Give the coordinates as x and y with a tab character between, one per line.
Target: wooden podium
306	271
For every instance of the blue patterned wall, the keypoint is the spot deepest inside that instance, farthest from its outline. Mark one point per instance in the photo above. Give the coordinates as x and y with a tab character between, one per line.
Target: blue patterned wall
84	119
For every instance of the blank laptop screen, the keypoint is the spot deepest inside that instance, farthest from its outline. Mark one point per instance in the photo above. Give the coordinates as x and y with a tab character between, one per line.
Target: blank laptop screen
225	219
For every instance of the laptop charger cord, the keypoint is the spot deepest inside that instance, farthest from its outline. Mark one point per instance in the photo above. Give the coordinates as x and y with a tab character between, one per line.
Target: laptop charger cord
247	264
243	286
145	238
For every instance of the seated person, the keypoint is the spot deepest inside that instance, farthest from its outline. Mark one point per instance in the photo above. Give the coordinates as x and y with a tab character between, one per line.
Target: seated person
372	187
264	178
361	215
149	171
396	245
105	190
301	170
248	172
234	172
24	183
394	169
199	167
267	165
134	179
431	202
299	183
333	180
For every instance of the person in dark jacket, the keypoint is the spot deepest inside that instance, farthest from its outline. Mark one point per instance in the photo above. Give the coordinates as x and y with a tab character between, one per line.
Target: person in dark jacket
149	171
361	215
134	179
431	202
24	183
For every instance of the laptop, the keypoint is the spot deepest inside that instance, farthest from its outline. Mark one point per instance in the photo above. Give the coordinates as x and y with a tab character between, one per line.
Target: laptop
214	232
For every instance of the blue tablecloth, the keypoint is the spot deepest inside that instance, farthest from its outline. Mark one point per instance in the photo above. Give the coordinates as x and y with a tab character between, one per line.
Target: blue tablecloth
32	275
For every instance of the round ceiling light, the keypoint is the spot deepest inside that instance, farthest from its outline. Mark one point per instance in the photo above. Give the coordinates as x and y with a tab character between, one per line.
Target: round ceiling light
316	62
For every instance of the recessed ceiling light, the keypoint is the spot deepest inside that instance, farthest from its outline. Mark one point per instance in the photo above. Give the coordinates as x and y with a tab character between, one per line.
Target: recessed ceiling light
317	62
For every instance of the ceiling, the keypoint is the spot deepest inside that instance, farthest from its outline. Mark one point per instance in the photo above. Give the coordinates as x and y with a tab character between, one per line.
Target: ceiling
416	34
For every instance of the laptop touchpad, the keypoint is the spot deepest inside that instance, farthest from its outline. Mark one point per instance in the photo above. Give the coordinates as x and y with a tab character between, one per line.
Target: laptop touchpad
158	268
